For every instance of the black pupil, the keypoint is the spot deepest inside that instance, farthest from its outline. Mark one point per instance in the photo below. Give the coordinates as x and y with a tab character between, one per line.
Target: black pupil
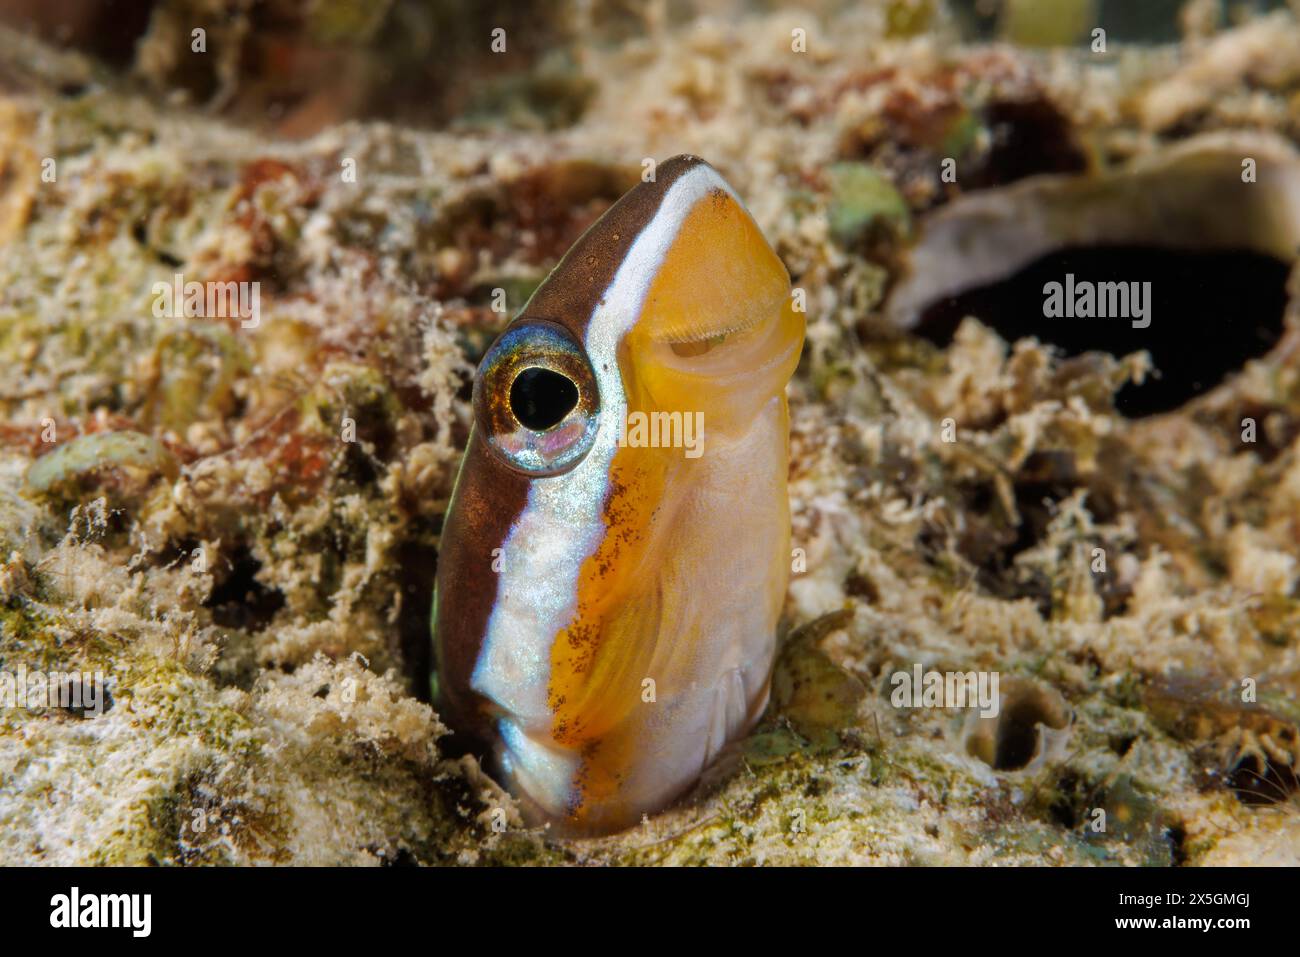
540	398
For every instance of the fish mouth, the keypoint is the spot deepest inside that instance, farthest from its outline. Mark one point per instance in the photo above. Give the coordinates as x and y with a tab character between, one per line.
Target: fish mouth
717	314
691	330
728	373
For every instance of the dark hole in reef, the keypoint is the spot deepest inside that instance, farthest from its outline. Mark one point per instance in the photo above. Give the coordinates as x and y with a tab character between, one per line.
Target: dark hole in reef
1063	809
400	857
239	600
1176	834
109	29
1259	782
418	561
1009	741
358	466
540	398
1028	137
992	549
1209	313
1018	734
1121	743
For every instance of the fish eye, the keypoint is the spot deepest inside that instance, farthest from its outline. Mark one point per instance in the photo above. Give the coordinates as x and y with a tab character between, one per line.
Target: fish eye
541	398
536	399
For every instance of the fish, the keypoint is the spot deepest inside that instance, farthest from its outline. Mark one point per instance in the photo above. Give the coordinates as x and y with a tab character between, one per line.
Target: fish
614	559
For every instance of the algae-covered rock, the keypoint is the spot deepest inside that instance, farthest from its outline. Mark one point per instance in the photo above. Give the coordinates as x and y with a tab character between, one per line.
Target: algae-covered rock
863	200
129	461
811	691
1047	22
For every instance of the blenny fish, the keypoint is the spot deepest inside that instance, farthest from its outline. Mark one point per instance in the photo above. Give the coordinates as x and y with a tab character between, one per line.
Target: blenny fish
616	552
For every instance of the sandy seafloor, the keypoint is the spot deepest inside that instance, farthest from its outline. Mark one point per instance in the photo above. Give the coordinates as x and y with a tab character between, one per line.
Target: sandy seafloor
257	590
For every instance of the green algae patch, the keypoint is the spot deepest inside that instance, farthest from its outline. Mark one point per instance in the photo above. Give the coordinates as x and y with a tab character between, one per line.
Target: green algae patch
126	462
864	202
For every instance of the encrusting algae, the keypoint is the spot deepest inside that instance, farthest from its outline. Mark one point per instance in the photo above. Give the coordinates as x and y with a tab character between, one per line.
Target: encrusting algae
238	524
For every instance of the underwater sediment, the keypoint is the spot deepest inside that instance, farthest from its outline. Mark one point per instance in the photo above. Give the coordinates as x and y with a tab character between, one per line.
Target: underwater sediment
236	520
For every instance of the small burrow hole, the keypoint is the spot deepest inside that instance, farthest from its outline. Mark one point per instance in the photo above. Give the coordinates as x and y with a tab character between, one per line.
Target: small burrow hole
1030	717
239	600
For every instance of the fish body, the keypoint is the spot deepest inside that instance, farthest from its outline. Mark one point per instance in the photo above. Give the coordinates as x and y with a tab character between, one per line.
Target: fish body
616	552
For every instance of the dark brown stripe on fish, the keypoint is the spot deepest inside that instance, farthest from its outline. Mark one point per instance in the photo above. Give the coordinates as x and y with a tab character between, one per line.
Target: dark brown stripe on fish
575	287
478	520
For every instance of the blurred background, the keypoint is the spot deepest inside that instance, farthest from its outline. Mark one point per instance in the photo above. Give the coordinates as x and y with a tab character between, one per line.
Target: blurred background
295	67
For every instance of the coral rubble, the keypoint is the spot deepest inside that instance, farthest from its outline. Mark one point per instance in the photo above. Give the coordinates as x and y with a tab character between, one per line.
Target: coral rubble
237	521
